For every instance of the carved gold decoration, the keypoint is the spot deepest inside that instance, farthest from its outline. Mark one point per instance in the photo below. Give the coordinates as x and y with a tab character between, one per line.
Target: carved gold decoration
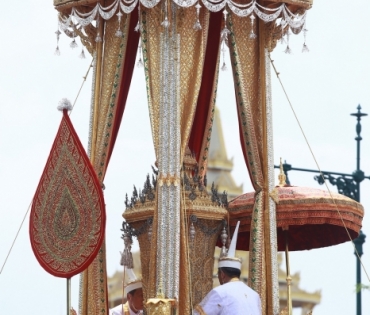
168	180
273	33
205	217
88	38
66	4
161	306
281	176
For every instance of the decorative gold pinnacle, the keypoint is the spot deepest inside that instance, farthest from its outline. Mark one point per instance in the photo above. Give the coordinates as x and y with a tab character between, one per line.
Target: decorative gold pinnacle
282	177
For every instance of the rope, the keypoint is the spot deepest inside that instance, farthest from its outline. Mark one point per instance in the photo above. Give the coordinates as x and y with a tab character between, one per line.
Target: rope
317	165
82	84
20	227
16	236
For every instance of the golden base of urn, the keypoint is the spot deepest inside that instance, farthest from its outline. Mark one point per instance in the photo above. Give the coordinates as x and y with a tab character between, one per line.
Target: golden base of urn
158	306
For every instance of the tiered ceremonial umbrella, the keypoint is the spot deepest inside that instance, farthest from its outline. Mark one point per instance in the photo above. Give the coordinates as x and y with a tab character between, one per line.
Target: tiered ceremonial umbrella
306	218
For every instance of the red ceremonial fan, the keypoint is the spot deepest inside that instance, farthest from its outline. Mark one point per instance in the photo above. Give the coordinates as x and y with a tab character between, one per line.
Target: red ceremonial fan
67	221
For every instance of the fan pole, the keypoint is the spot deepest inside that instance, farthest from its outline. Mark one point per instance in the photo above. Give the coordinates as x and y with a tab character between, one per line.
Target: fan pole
68	295
288	277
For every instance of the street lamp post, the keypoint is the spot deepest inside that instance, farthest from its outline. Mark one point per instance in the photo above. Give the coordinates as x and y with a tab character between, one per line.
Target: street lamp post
348	185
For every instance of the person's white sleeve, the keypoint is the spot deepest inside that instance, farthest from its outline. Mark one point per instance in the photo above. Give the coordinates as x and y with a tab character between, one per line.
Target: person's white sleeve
259	305
211	305
116	310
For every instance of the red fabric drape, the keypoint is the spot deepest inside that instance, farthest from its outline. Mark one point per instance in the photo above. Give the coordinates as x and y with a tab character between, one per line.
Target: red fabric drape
128	69
205	93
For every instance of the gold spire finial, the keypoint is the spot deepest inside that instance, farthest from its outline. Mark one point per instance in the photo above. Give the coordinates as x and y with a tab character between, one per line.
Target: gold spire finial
281	176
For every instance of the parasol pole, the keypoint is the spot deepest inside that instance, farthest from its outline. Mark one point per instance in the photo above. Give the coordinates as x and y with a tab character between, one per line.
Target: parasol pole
68	295
282	183
288	277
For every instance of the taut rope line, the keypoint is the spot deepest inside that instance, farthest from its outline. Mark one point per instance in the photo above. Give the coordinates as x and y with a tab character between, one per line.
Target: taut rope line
318	167
29	207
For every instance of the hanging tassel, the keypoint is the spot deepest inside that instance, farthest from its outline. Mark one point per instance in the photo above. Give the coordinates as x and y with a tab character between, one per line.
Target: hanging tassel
305	48
137	27
224	67
165	23
223	241
139	63
119	32
252	35
73	44
197	26
225	32
287	49
57	51
126	255
282	40
98	37
82	55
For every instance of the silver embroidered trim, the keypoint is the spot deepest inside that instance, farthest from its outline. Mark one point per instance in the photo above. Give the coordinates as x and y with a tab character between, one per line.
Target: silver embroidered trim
271	185
168	243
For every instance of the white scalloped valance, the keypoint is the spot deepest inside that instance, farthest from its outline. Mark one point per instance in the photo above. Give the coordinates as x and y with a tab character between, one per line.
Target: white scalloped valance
281	14
295	21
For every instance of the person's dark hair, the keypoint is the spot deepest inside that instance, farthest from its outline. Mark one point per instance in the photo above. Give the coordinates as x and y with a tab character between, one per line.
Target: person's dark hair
231	272
132	292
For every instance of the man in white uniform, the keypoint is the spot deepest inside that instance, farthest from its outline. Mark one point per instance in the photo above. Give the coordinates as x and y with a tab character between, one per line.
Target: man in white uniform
232	297
134	294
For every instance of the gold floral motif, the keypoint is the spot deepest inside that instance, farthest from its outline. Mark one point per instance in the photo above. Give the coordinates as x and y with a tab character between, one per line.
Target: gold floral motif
168	180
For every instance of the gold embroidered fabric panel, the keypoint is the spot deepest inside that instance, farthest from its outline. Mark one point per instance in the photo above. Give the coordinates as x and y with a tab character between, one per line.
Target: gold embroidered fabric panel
93	284
248	62
112	67
192	48
191	52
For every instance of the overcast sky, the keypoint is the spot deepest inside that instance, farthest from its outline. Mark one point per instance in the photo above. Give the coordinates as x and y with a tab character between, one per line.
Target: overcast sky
324	85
